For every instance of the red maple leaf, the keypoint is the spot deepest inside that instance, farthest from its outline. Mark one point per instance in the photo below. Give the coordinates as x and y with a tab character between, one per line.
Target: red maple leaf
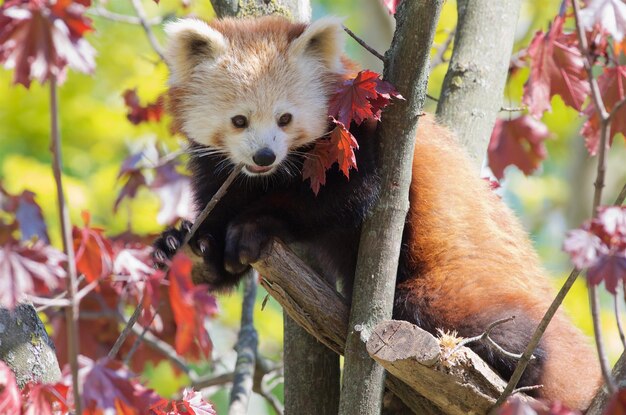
9	393
138	113
28	269
343	143
191	305
315	165
356	100
361	98
109	386
556	68
93	251
190	403
518	142
38	38
611	84
600	245
45	399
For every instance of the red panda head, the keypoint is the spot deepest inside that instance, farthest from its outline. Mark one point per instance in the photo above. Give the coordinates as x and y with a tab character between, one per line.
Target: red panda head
253	89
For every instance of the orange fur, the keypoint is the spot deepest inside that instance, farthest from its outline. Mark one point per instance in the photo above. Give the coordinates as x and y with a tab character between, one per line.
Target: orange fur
475	259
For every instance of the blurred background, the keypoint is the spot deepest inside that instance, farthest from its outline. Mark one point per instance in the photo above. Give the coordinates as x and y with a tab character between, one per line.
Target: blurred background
97	137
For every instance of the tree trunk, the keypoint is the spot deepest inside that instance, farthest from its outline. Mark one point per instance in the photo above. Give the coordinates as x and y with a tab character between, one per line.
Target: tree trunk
309	365
25	346
297	10
407	68
472	91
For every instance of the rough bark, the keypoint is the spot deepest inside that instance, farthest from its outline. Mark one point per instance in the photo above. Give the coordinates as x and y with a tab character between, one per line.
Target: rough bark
315	305
297	10
308	363
246	348
414	356
25	346
472	91
406	67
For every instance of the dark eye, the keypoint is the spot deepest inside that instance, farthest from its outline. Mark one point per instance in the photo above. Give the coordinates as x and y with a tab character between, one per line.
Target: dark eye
284	119
239	121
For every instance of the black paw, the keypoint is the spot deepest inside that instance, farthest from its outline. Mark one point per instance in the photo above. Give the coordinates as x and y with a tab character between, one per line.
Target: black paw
245	241
170	241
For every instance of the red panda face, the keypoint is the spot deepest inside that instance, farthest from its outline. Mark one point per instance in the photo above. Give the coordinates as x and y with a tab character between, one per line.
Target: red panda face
253	90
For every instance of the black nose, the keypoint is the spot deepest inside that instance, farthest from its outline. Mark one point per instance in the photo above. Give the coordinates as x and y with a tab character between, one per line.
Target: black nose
264	157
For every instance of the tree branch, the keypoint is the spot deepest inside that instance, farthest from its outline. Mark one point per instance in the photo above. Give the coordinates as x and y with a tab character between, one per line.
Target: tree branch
320	310
25	346
246	348
364	44
414	356
143	20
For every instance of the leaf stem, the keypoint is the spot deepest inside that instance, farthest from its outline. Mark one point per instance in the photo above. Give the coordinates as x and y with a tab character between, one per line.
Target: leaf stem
618	317
71	312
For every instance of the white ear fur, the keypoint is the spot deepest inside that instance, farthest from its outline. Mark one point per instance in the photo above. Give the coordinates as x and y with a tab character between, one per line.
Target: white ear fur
322	39
191	41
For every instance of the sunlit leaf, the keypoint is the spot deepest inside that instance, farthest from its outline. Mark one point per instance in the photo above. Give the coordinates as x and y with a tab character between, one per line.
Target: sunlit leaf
38	38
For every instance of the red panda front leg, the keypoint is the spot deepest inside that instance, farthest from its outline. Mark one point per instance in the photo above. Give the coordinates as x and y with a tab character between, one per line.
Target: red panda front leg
206	251
246	238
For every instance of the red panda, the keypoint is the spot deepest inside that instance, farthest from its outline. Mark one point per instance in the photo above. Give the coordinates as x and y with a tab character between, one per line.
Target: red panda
256	91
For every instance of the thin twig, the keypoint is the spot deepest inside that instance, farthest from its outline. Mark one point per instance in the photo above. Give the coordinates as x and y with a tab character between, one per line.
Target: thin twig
143	20
618	318
365	45
439	57
615	108
45	303
138	340
484	337
201	217
213	380
525	389
272	400
68	248
104	13
513	109
149	338
126	330
605	119
214	201
599	184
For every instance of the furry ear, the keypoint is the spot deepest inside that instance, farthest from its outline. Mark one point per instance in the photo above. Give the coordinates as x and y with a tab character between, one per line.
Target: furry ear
322	39
191	41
